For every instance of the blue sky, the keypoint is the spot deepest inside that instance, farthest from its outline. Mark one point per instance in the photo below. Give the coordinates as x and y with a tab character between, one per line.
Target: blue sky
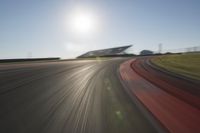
39	28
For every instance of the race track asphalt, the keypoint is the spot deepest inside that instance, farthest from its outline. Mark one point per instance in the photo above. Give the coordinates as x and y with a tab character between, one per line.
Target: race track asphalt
67	97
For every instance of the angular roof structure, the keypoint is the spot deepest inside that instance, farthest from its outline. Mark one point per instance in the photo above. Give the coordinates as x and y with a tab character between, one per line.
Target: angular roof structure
105	52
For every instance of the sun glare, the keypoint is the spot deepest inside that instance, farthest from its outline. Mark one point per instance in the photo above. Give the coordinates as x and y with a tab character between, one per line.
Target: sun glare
82	22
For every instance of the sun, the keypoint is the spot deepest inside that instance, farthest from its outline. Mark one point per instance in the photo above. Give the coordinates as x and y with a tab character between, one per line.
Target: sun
82	22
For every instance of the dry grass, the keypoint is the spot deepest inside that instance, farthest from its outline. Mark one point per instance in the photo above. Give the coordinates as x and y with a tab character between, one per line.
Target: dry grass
184	64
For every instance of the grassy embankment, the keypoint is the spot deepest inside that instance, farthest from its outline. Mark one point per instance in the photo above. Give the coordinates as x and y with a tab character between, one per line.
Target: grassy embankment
185	64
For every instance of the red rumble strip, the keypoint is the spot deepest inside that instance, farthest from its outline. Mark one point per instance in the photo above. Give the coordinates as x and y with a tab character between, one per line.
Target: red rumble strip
175	113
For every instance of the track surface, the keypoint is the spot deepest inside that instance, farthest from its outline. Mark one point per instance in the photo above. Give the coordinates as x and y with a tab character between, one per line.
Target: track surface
173	101
67	97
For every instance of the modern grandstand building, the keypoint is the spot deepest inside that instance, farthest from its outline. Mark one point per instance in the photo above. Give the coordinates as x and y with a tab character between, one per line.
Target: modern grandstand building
110	52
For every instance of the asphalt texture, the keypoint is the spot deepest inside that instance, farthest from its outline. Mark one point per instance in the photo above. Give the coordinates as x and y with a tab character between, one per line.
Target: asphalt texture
67	97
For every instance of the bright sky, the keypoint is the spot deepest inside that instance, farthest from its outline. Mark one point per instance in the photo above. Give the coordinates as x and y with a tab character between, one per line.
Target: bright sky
46	28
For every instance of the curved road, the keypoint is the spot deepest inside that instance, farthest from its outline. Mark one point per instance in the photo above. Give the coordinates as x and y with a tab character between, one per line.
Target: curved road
174	101
67	97
185	89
